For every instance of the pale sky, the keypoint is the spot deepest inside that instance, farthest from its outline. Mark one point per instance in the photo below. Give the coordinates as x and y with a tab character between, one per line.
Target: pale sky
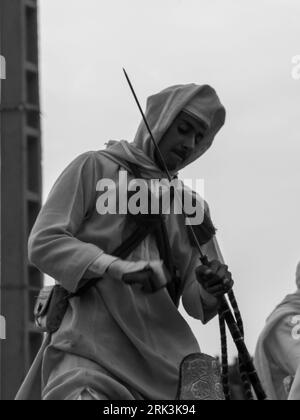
243	49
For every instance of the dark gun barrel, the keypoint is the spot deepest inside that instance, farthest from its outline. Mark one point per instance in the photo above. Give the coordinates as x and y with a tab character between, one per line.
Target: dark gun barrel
224	310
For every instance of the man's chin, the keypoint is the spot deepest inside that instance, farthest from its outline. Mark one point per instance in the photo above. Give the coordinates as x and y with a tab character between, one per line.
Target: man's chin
171	164
174	166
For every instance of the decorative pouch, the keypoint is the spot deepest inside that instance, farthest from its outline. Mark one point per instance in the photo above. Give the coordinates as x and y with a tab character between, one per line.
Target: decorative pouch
50	308
200	378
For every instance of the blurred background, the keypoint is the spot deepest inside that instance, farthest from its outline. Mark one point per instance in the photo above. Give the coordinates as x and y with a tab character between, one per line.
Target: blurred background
65	94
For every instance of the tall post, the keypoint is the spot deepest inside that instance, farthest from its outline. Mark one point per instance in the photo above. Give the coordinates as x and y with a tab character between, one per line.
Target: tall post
21	188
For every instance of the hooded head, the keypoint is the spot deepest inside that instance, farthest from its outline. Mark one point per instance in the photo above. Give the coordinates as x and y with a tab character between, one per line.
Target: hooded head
298	276
197	106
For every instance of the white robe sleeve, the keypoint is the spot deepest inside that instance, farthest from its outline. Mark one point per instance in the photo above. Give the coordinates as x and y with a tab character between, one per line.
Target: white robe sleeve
196	301
284	346
52	245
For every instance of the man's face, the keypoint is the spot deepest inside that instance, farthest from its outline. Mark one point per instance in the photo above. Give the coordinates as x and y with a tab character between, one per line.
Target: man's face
181	140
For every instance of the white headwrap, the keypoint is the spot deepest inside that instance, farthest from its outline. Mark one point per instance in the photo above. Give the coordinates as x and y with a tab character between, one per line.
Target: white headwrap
195	109
162	108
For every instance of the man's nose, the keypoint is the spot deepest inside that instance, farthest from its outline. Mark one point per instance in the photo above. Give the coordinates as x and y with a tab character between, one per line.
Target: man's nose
190	142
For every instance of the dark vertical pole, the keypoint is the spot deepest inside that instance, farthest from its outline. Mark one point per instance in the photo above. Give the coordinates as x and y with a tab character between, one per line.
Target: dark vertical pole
2	319
20	187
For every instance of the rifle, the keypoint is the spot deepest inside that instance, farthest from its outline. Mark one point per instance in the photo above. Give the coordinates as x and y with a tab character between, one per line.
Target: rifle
235	325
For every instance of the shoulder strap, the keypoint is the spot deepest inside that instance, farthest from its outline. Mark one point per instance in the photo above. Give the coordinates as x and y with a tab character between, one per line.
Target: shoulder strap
163	244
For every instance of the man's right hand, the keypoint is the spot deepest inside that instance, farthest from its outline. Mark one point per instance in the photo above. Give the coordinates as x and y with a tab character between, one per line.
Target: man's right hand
150	275
119	268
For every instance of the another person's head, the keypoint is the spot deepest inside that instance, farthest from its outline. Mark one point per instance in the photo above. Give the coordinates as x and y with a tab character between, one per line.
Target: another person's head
298	276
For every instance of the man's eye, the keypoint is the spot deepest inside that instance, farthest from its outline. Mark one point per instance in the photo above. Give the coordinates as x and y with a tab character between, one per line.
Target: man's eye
199	138
183	129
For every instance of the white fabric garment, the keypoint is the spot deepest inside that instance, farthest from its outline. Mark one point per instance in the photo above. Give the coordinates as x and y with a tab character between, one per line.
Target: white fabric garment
115	330
277	355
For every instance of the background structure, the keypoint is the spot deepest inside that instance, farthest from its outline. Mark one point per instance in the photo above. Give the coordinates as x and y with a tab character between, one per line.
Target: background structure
21	190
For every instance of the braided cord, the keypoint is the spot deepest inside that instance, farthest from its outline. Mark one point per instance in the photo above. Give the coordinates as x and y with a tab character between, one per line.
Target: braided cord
236	311
225	367
242	368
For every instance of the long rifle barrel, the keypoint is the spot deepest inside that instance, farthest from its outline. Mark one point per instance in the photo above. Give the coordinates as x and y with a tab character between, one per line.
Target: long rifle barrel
224	307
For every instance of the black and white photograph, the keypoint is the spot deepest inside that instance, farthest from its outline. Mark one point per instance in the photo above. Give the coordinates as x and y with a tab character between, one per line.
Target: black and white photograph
150	202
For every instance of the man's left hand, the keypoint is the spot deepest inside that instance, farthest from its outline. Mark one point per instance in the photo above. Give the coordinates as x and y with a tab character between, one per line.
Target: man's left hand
215	278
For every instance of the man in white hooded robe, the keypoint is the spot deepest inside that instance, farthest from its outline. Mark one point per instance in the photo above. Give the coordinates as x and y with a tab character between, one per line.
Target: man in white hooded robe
116	341
277	355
